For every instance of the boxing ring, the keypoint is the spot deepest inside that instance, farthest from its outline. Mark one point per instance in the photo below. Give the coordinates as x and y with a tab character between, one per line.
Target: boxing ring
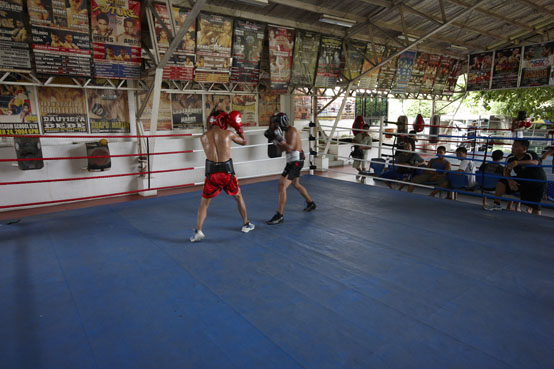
372	279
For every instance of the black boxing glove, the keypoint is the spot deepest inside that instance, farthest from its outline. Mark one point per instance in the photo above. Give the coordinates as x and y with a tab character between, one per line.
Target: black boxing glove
270	134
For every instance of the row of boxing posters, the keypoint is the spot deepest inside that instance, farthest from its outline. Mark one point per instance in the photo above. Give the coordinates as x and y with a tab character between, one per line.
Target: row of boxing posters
521	66
75	110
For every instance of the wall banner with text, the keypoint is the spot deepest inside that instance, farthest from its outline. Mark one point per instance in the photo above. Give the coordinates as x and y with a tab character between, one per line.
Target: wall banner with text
479	71
538	60
404	71
328	65
246	105
213	48
18	114
186	111
14	49
281	40
60	37
108	111
374	55
116	38
306	47
62	110
269	104
247	51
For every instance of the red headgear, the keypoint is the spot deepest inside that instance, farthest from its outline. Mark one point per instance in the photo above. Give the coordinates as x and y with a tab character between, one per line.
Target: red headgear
234	119
218	118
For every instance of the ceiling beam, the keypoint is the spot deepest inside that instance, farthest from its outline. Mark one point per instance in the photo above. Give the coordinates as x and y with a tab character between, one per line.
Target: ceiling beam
383	3
421	39
318	9
538	7
493	14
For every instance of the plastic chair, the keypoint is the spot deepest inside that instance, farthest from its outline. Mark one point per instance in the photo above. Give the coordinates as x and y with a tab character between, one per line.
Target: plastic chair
486	181
457	180
550	192
378	166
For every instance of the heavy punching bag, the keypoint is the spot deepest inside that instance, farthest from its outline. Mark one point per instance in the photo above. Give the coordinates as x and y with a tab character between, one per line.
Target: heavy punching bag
402	124
357	125
419	123
434	129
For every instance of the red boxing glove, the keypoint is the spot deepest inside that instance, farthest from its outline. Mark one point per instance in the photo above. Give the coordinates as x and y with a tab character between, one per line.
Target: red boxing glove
521	124
528	124
234	119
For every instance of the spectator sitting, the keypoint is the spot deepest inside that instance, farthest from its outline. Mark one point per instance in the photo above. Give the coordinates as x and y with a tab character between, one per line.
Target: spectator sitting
519	160
363	138
404	157
465	166
494	168
439	163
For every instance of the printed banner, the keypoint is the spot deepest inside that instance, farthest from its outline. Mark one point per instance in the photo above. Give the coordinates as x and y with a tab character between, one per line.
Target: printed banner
108	111
431	70
537	63
306	47
281	41
388	72
186	111
62	110
418	71
17	111
404	71
302	107
269	104
213	51
328	65
375	55
116	38
479	71
216	102
453	75
246	105
60	37
442	75
180	66
164	113
354	59
247	52
14	50
505	73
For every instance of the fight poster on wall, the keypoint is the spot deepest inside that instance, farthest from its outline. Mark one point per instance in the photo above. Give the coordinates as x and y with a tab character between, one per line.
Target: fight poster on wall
505	73
418	71
281	40
180	66
538	60
306	47
164	112
269	104
479	71
453	75
62	110
214	103
116	38
60	36
108	111
442	75
246	105
247	52
328	65
213	49
388	72
186	111
431	69
302	107
14	50
17	111
354	59
374	56
404	71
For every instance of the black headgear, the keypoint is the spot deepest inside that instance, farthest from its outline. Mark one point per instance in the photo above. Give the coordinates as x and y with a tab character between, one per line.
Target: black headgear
281	119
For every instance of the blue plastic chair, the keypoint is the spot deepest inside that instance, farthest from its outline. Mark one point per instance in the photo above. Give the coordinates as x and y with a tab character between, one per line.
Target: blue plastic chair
378	166
486	182
457	180
550	192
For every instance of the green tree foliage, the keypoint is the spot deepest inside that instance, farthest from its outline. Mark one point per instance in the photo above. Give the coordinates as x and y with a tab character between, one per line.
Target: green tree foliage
536	102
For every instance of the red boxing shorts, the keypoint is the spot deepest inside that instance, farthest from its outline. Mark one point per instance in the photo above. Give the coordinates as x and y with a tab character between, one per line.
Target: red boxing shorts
214	182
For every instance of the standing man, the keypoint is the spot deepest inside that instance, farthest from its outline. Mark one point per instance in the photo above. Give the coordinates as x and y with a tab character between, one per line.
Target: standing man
363	139
288	139
220	173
